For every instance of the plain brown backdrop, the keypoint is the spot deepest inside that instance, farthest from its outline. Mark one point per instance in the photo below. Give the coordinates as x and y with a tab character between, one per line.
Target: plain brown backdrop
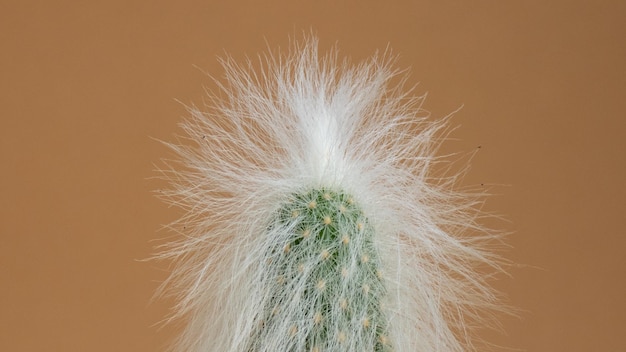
85	86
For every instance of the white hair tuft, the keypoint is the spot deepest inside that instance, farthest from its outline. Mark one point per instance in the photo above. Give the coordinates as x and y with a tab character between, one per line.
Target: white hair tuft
315	221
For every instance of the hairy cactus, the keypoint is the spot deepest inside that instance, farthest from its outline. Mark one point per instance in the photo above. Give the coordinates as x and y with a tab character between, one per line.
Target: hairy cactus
315	221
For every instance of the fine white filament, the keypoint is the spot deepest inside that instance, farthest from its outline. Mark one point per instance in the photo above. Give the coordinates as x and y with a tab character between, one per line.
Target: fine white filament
303	121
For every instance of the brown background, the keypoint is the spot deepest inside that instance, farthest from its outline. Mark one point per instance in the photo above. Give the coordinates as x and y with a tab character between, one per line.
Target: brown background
84	87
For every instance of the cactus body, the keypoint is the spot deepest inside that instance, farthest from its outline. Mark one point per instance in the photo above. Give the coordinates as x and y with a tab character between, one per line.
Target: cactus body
322	280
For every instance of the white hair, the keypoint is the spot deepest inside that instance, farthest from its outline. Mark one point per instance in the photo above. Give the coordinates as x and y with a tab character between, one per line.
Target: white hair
301	122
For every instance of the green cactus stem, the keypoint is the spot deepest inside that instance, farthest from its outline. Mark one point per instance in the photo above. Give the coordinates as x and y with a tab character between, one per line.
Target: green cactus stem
323	284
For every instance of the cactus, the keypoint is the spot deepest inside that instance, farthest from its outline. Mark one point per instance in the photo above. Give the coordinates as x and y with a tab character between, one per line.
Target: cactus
315	221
